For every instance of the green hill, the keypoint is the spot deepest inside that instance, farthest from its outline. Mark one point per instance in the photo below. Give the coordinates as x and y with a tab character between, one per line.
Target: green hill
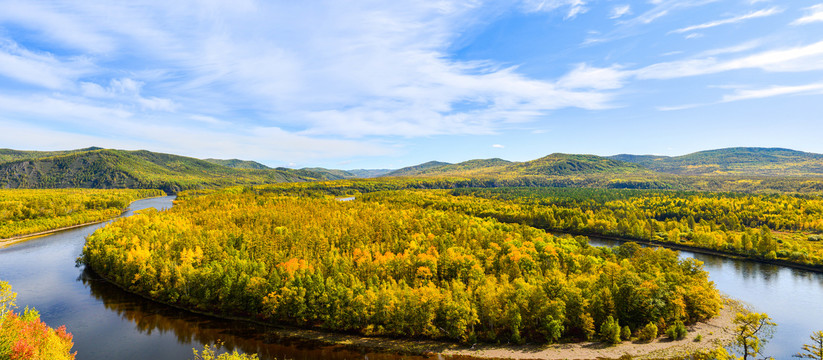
467	167
238	164
746	161
106	168
7	155
416	169
571	164
551	165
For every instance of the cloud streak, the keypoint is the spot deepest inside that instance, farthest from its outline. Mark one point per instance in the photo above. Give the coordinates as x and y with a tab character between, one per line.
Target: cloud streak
732	20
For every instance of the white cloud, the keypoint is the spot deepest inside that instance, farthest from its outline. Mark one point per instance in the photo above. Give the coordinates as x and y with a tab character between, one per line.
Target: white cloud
747	94
498	146
576	7
620	10
586	77
732	20
38	69
813	14
795	59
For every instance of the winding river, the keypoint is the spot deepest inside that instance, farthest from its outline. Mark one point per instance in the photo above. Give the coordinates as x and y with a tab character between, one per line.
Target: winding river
109	323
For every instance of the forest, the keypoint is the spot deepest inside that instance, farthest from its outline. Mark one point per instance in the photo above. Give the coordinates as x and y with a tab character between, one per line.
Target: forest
31	211
782	227
395	268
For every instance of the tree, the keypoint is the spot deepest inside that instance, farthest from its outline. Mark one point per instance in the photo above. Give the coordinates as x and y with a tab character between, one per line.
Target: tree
610	331
814	351
7	298
752	332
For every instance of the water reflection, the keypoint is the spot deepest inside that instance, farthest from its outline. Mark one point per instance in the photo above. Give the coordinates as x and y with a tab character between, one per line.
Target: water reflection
790	296
268	342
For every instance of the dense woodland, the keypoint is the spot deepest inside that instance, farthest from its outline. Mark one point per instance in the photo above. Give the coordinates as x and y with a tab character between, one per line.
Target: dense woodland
31	211
392	268
785	227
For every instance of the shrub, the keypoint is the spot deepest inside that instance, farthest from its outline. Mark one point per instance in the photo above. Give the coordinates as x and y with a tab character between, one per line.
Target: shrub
610	331
647	333
676	331
625	333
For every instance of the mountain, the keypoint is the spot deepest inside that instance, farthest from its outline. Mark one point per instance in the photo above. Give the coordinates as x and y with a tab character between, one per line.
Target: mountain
467	167
107	168
368	173
551	165
238	164
333	174
746	161
7	155
415	170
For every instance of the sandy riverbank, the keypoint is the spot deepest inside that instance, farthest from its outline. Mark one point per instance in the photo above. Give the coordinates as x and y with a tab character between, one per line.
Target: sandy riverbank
15	239
715	332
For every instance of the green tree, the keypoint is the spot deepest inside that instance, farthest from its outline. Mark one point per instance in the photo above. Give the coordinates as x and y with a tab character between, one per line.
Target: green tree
815	350
610	331
752	332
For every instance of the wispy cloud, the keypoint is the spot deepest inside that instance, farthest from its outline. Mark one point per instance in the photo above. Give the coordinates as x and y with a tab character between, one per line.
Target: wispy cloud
575	7
731	20
813	14
620	10
586	77
747	94
498	146
801	58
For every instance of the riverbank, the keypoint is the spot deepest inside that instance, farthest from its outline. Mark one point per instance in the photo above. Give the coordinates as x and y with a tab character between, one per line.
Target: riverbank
25	237
699	250
717	331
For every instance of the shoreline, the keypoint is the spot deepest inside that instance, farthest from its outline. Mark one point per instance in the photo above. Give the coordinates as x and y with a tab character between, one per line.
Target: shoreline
694	249
31	236
717	331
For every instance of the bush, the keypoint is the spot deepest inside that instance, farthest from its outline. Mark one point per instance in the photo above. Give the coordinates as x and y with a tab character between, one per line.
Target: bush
625	333
676	331
647	333
610	331
698	338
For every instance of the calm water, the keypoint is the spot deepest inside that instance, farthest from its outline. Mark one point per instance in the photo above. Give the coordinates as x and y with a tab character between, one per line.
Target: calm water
793	298
108	323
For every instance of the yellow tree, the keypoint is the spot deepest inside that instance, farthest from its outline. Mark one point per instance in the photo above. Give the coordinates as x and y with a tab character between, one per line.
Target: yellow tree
753	330
815	350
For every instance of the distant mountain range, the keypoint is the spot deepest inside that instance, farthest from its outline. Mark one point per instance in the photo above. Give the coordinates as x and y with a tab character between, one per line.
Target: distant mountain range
733	161
106	168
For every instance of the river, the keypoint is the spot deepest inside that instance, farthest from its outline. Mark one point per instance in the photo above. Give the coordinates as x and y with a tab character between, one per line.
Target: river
109	323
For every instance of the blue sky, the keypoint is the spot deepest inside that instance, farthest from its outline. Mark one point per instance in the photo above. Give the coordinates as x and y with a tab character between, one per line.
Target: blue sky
386	84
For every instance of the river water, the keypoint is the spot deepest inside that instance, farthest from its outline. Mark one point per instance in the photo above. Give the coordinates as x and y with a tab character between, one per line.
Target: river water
109	323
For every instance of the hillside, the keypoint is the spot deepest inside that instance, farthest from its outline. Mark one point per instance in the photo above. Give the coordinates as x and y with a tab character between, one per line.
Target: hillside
108	168
238	164
551	165
7	155
416	169
747	161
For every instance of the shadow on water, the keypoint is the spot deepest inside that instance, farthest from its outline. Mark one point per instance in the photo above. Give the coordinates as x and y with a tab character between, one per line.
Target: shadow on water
268	342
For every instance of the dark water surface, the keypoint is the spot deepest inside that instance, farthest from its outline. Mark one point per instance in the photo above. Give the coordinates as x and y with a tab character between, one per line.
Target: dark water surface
793	298
109	323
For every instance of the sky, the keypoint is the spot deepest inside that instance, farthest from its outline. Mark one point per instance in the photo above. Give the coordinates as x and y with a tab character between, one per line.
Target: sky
386	84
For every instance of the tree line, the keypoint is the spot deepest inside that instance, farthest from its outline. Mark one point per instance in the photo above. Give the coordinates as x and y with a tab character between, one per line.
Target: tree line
392	268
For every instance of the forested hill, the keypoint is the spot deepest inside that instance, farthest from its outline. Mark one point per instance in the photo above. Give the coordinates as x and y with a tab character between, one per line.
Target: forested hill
551	165
238	164
106	168
416	169
748	161
7	155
